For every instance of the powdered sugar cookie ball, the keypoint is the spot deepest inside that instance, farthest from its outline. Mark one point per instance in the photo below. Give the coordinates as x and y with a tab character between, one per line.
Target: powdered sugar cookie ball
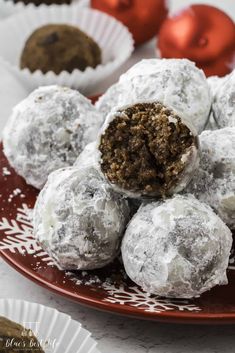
48	130
224	103
179	248
78	220
177	83
214	182
147	150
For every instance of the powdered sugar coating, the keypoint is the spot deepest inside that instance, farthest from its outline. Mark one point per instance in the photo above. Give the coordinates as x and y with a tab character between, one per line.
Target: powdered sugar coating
215	82
48	130
89	157
78	221
177	83
214	182
179	248
116	96
224	102
190	158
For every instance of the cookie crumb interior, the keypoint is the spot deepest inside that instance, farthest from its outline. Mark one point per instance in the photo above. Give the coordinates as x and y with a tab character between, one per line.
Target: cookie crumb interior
142	149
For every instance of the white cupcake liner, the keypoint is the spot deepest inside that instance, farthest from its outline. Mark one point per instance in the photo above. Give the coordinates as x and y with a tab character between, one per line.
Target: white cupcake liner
8	7
56	331
113	37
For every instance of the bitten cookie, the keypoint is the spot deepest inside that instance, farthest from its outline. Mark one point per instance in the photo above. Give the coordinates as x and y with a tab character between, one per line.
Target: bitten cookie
147	150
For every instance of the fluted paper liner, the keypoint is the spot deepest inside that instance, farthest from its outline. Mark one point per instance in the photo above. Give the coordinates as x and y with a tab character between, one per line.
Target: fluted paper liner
112	36
56	331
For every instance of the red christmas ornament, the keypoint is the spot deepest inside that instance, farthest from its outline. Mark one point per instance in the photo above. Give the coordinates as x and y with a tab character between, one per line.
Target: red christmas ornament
203	34
142	17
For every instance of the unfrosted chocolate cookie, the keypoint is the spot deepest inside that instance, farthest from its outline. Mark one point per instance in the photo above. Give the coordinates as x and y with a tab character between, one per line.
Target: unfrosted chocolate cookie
59	48
14	338
40	2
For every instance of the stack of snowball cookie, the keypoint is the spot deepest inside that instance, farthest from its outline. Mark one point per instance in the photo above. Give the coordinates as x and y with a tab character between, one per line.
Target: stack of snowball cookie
150	168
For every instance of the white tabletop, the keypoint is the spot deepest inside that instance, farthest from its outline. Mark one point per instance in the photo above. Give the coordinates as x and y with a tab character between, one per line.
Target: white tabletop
115	334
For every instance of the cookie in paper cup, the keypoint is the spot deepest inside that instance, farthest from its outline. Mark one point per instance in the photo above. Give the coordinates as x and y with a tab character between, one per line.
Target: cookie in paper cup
55	331
113	38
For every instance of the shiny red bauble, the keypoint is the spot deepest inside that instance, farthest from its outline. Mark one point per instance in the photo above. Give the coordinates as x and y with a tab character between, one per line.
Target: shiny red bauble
142	17
203	34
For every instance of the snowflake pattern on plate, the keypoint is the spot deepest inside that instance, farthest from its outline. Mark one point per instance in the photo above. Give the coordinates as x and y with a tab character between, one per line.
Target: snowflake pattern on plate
18	237
137	298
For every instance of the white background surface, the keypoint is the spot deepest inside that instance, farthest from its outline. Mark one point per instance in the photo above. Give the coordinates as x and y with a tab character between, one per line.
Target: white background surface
116	334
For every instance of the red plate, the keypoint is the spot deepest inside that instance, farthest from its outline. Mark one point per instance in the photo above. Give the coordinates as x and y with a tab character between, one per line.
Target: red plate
106	289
